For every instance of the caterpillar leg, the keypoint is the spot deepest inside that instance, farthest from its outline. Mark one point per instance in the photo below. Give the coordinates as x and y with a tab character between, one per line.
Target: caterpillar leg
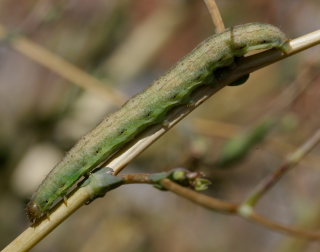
65	200
191	104
48	216
240	81
165	124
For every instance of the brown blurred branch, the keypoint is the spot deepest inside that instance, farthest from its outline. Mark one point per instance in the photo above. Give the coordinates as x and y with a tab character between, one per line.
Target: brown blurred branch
292	160
61	67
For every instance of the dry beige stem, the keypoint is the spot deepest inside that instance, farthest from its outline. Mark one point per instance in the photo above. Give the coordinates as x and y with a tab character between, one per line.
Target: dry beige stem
215	15
63	68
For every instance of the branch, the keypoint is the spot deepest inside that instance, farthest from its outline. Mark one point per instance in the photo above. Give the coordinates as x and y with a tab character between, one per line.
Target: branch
292	160
200	199
231	208
32	235
61	67
215	15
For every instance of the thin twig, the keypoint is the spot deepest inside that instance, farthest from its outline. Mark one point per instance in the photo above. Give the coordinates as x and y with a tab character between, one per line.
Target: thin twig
309	220
132	150
215	15
63	68
231	208
300	233
142	178
291	161
308	74
226	130
200	199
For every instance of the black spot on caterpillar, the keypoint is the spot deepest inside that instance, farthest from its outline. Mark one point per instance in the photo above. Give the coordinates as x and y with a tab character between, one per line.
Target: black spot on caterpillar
195	70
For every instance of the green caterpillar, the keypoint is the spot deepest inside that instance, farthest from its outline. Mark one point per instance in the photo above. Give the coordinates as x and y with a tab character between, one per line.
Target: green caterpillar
150	107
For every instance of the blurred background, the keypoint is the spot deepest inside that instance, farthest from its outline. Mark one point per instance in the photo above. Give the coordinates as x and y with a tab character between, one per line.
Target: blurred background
47	105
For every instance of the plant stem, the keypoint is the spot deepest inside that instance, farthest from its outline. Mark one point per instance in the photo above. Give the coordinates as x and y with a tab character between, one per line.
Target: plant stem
231	208
215	15
62	67
292	160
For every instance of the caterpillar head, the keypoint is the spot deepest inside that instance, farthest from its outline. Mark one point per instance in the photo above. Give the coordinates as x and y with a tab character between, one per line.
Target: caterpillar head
33	212
256	36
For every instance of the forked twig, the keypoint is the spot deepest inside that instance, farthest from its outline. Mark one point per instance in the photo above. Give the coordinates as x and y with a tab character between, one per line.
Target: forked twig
231	208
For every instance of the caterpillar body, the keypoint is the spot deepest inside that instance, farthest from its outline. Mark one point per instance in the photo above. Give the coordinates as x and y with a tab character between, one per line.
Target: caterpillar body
150	107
